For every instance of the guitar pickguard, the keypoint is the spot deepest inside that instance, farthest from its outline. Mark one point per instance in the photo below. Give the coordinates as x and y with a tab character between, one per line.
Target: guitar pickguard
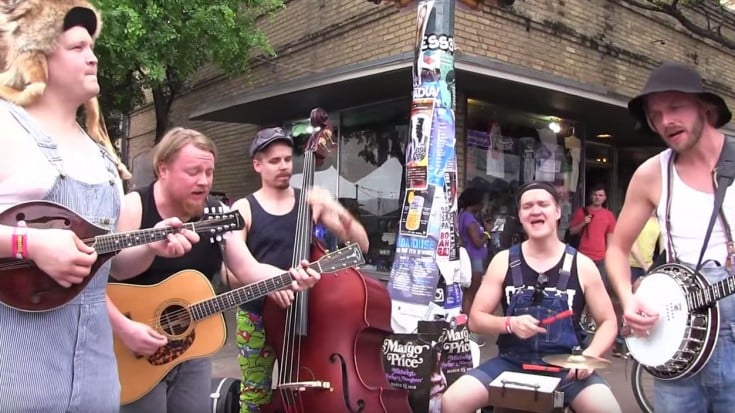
172	350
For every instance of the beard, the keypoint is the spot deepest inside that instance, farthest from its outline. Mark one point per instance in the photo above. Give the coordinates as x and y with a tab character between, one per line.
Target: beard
192	208
694	135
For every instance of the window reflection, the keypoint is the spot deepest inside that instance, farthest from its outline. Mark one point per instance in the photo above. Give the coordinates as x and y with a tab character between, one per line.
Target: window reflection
507	148
365	171
372	158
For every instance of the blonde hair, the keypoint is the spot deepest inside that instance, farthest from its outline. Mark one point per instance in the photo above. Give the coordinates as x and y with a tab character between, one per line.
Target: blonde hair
175	139
97	130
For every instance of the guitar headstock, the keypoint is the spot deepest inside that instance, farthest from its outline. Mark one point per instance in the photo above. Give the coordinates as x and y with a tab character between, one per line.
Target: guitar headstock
348	256
217	221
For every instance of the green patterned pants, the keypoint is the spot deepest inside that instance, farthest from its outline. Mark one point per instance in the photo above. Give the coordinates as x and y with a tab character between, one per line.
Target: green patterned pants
256	362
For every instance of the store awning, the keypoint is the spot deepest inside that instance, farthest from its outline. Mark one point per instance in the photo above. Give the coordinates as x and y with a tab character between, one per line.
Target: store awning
332	89
390	77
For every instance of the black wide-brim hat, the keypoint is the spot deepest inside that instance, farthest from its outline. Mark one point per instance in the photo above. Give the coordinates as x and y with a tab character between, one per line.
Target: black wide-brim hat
675	77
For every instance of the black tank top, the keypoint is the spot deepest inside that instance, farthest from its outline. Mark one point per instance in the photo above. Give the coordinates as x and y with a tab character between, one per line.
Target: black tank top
205	256
270	240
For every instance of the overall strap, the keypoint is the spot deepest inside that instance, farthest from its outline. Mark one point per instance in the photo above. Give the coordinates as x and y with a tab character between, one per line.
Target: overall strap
514	262
566	269
44	142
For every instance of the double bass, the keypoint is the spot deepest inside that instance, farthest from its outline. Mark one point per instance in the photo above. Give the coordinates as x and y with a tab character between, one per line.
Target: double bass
329	340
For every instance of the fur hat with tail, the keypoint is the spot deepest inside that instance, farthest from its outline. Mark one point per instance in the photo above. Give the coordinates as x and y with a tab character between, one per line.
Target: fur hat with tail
29	30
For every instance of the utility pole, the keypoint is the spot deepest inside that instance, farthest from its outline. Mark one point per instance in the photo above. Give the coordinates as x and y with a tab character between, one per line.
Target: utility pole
425	248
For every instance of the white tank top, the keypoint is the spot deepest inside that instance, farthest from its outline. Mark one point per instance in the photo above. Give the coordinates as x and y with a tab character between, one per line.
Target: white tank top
32	175
690	215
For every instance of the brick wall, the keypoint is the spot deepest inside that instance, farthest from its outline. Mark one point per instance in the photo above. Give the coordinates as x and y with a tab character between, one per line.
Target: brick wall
598	42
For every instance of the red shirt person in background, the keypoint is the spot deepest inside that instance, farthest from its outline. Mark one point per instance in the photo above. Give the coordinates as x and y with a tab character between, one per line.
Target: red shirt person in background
595	228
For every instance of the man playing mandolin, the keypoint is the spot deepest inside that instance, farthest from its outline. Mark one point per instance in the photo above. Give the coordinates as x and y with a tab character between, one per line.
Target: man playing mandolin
675	106
51	70
270	219
535	281
184	162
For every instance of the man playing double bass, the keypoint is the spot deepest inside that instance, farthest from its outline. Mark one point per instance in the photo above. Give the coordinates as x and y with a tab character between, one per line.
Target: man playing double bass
270	216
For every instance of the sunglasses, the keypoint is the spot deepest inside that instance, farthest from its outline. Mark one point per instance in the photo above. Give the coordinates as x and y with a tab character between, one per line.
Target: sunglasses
538	291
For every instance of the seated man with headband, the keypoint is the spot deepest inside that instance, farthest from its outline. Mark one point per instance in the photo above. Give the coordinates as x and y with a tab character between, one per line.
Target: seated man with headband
533	281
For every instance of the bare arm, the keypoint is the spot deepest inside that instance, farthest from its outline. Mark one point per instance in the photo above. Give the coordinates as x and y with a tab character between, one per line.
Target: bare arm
131	261
599	304
336	218
637	208
578	222
243	267
636	253
477	237
488	297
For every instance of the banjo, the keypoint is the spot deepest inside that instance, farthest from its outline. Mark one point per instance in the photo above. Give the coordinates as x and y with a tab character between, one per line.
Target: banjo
682	341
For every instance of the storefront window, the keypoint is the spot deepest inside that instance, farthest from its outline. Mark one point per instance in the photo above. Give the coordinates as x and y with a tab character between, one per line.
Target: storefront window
365	169
371	160
507	148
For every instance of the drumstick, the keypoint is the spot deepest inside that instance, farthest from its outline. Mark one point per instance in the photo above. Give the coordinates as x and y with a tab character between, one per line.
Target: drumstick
557	317
536	367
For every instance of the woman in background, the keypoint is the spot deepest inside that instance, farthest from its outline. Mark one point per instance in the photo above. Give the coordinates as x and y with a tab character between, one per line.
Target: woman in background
472	234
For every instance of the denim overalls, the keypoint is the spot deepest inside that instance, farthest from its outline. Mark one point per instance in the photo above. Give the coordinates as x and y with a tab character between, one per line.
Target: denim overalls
561	336
62	360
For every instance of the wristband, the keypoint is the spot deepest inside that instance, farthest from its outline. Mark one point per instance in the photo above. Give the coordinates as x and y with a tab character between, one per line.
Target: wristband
19	243
507	326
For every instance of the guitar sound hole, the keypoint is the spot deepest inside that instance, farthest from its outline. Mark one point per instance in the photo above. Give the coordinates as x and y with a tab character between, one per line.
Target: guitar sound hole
175	320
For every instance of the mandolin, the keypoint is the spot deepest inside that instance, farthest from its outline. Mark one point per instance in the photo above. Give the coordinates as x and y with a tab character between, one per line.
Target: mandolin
24	287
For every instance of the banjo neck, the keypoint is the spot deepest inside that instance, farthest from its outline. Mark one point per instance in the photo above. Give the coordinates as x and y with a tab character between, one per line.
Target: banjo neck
708	295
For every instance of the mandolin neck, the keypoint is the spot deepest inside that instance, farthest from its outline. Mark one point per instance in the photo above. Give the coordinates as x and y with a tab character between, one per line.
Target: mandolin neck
109	243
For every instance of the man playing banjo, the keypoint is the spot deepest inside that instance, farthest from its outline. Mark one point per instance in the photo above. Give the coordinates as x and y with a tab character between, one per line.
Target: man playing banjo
678	183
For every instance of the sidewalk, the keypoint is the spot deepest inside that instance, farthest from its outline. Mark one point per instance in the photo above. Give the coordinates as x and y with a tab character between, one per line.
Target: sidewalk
618	375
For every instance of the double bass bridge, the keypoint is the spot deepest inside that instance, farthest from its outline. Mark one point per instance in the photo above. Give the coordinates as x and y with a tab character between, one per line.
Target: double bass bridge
306	385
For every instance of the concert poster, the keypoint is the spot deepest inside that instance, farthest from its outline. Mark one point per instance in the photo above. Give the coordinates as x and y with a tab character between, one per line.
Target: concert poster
417	208
426	251
417	149
408	362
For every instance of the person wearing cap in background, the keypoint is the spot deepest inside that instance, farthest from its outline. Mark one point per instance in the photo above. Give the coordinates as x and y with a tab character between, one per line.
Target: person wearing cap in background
183	162
270	226
50	71
674	106
539	278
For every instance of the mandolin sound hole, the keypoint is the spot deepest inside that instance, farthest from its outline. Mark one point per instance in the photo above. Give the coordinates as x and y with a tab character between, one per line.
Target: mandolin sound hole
175	320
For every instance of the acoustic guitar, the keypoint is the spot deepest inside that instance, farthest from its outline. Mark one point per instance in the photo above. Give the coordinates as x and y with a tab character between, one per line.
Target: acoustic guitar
186	310
24	287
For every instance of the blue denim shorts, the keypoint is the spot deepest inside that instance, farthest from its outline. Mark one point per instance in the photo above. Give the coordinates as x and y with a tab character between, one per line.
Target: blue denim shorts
489	370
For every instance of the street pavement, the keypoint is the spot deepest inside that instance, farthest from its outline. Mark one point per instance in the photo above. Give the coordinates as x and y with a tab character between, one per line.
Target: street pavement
618	375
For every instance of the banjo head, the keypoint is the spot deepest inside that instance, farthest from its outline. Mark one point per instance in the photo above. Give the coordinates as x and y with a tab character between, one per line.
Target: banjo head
663	294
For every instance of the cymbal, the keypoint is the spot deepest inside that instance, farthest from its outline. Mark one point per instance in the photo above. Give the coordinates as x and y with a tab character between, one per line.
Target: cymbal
576	361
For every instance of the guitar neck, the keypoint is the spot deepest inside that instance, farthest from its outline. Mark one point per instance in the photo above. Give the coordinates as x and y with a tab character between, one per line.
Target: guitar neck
707	296
242	295
114	242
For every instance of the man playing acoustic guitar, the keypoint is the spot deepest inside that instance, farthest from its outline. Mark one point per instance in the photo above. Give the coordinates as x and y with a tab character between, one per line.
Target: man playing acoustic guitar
184	163
674	106
59	360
